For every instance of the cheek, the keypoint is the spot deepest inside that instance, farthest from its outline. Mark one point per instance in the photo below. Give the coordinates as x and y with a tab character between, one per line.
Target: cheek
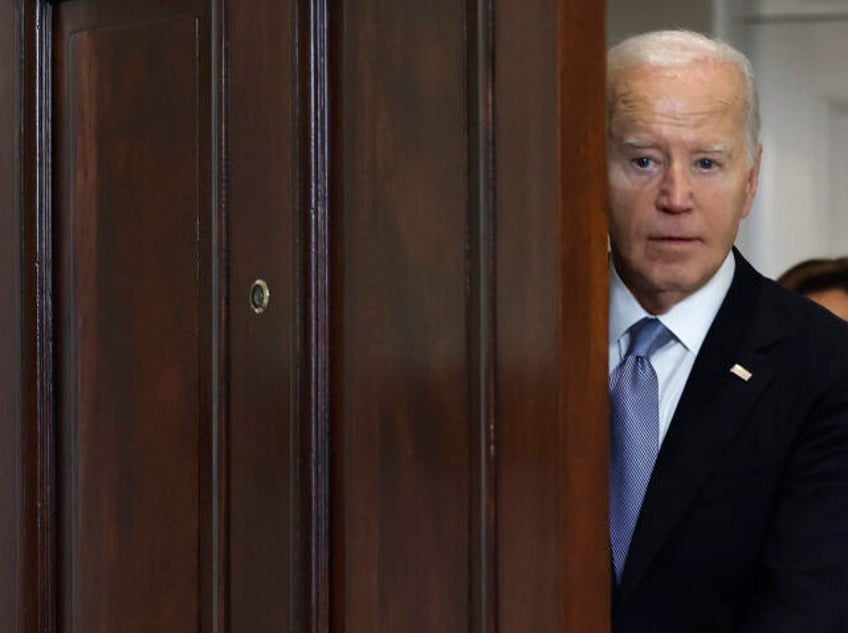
620	217
746	199
622	184
623	197
724	209
627	191
627	211
733	196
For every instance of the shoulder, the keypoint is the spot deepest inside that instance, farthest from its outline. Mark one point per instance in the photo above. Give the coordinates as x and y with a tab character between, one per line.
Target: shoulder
810	349
774	305
811	344
803	320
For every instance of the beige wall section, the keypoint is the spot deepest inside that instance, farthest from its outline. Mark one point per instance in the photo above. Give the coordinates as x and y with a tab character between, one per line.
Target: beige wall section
625	17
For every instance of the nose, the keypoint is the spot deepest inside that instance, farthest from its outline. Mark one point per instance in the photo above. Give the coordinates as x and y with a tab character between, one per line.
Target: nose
675	194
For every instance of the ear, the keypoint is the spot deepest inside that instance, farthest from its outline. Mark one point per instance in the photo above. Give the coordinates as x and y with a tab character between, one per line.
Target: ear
752	182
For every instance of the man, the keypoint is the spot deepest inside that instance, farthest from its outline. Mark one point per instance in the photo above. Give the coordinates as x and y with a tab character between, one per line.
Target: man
729	394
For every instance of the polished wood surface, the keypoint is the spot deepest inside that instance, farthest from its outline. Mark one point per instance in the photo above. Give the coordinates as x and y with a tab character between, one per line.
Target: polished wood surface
412	436
133	318
265	525
584	296
400	417
551	313
465	251
31	384
11	344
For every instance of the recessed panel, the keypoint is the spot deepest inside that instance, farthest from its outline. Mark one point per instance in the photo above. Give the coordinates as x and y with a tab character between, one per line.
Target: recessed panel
402	432
129	330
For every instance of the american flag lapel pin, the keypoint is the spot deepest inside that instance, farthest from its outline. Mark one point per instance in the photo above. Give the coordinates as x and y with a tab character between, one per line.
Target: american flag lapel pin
740	371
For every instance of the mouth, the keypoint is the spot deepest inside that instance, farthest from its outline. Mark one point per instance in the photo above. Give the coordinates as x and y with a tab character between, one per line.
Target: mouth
673	240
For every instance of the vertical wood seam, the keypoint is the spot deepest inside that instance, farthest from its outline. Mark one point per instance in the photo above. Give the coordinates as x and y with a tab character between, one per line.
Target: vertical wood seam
314	153
298	414
220	314
481	315
30	564
45	358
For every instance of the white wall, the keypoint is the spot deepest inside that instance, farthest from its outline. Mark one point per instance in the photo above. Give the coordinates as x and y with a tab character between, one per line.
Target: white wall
628	17
799	50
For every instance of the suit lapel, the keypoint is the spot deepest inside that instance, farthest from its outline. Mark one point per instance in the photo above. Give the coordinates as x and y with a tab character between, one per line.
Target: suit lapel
714	404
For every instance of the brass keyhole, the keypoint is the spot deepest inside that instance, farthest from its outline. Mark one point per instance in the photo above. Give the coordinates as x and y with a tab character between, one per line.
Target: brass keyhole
259	296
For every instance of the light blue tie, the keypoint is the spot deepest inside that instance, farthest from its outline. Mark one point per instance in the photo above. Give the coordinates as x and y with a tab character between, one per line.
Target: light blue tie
634	413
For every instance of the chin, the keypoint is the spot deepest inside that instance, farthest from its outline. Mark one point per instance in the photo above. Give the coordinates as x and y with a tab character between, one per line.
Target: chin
671	284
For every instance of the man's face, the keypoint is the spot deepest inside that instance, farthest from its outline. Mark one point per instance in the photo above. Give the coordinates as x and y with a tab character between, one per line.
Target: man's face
679	178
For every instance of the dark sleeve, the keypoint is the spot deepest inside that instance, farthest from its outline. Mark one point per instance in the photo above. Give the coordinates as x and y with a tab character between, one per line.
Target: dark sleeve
802	580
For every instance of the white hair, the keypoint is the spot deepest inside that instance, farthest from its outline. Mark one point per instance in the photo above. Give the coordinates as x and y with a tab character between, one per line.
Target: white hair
674	48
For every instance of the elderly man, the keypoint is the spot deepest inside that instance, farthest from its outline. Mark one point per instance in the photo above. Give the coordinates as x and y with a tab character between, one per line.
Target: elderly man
729	394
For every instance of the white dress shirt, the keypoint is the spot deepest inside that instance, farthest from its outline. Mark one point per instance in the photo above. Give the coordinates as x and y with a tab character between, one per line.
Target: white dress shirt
688	320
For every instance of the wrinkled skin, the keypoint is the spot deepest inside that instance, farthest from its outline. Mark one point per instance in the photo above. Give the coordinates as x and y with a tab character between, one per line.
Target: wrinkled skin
680	177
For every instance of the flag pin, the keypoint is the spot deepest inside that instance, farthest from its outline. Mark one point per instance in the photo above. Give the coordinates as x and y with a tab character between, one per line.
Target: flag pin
740	371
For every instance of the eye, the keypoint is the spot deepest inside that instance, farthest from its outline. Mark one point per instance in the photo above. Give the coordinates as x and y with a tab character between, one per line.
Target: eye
643	162
706	164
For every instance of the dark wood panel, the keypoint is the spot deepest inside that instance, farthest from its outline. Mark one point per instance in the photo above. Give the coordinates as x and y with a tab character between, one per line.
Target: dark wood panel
133	321
530	544
11	348
551	313
401	388
264	516
36	610
584	296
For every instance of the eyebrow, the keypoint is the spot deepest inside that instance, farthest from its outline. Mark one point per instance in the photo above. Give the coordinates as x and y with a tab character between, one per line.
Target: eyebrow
715	149
638	143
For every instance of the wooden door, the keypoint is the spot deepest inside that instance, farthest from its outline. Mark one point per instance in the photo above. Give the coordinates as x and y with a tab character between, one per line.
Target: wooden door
468	318
411	435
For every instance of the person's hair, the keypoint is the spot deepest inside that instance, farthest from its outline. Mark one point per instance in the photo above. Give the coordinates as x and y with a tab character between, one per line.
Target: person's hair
674	48
816	275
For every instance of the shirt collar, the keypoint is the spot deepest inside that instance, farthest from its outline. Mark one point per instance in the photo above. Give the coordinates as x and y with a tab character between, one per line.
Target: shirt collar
689	320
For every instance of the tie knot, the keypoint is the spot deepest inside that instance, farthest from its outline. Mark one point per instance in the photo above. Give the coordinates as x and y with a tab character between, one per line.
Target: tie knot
647	336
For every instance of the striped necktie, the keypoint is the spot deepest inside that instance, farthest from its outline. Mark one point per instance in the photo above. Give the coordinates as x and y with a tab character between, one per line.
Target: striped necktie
634	413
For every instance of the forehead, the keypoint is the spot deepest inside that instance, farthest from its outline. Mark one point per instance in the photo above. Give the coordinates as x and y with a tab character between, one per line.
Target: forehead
702	94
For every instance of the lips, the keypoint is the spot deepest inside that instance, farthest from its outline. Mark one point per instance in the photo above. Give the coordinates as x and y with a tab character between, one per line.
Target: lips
673	238
673	242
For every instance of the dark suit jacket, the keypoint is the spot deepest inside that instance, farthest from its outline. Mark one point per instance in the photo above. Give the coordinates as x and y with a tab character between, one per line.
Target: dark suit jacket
744	526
